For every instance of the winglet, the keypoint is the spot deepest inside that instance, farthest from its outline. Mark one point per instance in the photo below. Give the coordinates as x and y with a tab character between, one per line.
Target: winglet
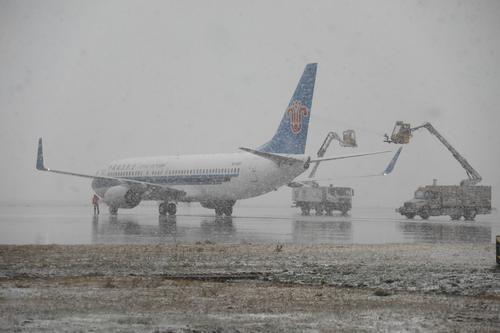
392	163
39	158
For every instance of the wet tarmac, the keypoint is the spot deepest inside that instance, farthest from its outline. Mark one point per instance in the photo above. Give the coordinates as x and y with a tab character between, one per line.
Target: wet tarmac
256	225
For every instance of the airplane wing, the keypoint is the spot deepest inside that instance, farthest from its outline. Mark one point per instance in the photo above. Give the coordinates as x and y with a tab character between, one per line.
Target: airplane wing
392	163
126	181
389	167
312	181
288	159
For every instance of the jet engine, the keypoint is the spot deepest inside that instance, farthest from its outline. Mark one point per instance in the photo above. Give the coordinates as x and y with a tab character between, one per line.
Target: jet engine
122	197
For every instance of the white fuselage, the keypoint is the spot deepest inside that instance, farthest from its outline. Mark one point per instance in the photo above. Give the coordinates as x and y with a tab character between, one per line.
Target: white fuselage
206	177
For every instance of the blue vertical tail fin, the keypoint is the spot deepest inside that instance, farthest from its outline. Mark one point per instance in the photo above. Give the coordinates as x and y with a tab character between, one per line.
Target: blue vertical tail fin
291	136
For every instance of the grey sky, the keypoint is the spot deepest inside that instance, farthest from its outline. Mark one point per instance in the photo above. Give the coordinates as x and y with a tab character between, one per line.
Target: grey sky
101	80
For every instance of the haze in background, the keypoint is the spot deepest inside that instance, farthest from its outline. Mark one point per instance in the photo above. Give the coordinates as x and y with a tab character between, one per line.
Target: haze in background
102	80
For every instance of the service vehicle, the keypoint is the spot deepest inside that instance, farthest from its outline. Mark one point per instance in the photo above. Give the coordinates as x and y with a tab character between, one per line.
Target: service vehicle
467	199
323	199
453	200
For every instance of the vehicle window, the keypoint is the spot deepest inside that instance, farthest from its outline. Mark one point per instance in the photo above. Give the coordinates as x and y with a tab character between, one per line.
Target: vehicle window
419	195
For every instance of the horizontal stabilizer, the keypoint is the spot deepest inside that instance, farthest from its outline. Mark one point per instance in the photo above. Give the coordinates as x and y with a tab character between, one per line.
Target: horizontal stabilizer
278	159
332	158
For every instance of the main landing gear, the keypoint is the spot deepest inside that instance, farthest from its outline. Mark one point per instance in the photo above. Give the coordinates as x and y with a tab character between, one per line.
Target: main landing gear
167	208
221	208
224	208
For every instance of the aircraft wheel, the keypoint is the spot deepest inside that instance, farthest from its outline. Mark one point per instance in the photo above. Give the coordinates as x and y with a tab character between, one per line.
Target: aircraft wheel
162	209
218	211
113	210
171	209
228	210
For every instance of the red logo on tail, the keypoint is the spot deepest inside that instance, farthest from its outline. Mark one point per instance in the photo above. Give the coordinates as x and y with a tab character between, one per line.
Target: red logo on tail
296	112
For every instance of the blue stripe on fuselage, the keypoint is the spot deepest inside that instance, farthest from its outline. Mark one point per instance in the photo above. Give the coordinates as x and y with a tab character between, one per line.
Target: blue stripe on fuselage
174	180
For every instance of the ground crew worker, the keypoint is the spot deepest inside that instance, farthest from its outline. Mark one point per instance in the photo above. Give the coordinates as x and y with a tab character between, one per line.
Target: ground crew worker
95	202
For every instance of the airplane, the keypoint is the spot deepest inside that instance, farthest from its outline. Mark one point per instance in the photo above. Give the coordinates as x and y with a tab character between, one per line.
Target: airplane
216	181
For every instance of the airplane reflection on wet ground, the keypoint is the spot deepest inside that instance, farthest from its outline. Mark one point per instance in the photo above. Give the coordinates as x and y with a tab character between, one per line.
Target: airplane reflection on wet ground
113	229
76	225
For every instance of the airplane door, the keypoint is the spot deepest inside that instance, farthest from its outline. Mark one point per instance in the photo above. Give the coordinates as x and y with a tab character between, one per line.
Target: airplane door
253	173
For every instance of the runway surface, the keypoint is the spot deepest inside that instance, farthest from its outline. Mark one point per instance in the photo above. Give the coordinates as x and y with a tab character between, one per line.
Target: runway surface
142	225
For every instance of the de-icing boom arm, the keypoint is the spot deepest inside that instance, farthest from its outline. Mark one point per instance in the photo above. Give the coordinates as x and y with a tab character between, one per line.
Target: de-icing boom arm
473	175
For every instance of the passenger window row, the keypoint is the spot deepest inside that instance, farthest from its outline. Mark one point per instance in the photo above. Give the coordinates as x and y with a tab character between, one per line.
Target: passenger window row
197	172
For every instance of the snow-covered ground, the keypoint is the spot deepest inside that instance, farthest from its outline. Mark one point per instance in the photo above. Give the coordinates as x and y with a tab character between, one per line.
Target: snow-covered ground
246	288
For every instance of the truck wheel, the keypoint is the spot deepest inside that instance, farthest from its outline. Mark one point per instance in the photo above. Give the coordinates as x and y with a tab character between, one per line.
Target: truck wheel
455	217
329	211
410	216
470	214
424	215
171	209
318	209
344	211
305	210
